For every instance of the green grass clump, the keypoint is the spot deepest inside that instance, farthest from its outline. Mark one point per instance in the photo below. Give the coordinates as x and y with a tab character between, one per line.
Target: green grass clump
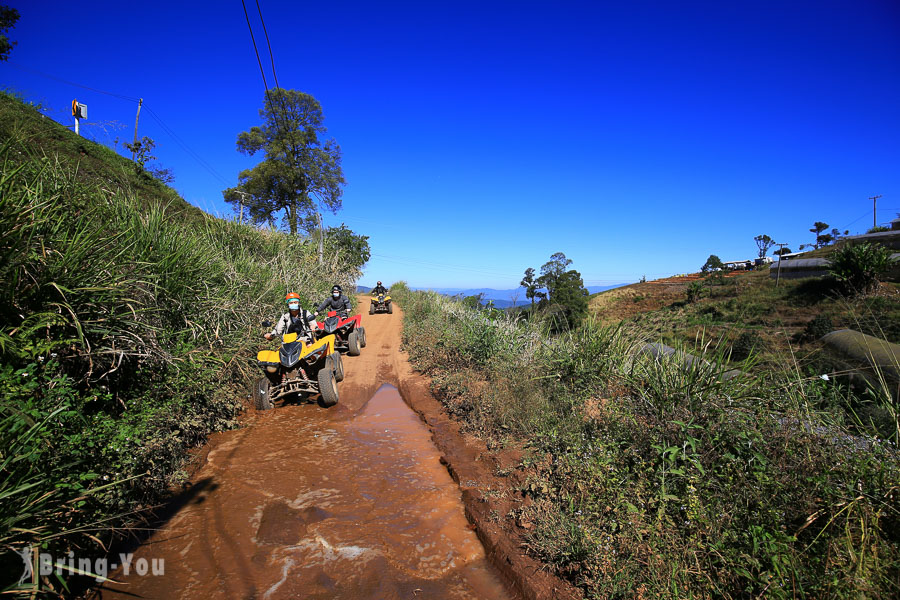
659	477
128	322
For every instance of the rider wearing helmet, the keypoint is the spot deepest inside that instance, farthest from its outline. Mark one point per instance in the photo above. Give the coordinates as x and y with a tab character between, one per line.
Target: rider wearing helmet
296	320
338	302
379	289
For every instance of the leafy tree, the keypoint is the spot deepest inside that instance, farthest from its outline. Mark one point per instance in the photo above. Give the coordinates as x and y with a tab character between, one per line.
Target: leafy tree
298	170
817	228
570	299
8	18
763	242
782	250
353	248
141	150
530	284
551	271
712	263
473	301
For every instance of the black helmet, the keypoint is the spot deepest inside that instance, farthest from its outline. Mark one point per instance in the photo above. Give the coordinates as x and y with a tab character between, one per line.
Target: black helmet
379	283
336	288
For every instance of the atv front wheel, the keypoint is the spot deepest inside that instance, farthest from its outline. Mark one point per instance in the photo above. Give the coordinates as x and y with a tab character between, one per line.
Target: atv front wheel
353	343
335	362
362	337
371	309
261	394
327	387
390	308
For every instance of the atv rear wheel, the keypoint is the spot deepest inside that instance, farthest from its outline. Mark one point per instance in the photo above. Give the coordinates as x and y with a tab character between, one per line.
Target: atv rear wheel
335	362
390	308
353	343
362	337
372	309
261	394
327	387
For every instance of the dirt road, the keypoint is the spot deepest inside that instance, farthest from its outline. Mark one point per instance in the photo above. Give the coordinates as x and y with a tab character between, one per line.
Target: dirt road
306	502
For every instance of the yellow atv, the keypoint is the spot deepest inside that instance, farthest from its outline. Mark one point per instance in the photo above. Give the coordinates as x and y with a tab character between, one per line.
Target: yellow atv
299	369
381	303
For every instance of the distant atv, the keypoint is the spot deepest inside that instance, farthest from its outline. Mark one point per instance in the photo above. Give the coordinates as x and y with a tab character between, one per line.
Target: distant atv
381	304
300	370
348	332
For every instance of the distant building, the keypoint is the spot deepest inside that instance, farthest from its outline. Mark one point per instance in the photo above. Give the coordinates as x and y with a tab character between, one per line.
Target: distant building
895	224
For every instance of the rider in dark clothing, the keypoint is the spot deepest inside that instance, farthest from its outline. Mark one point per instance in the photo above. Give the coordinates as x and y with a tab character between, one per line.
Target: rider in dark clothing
338	302
379	289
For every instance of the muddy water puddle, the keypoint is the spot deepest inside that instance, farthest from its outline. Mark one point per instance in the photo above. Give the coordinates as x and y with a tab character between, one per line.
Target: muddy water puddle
306	504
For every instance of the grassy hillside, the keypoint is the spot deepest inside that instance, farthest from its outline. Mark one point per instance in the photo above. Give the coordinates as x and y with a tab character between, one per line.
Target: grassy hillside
127	323
745	311
651	478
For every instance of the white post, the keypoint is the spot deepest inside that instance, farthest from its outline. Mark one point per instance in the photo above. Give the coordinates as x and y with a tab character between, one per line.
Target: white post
76	126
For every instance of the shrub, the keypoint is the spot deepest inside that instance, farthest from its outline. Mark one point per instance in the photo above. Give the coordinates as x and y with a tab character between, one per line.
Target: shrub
695	290
860	267
745	345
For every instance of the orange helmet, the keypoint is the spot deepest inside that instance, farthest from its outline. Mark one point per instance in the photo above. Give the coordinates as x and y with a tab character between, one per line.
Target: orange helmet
292	296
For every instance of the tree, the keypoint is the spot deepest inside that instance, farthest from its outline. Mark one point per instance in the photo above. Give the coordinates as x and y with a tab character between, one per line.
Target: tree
530	284
141	150
817	228
763	242
551	271
298	172
782	250
570	300
712	263
354	249
8	18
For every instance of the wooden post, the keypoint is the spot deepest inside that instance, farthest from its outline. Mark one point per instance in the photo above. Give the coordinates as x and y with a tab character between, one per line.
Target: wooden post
138	116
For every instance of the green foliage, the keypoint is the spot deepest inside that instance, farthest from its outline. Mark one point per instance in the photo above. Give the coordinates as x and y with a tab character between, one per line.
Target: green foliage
298	169
694	291
712	263
530	284
351	250
745	345
819	326
763	243
659	477
878	229
123	332
8	18
859	267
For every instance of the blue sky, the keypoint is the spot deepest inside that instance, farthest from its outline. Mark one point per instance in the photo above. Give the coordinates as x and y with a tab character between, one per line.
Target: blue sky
481	137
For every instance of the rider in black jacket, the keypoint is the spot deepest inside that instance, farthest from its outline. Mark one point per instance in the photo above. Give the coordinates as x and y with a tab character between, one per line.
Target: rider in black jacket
379	289
338	302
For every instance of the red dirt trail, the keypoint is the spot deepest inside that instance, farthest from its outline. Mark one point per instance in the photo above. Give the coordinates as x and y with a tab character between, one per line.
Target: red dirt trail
367	499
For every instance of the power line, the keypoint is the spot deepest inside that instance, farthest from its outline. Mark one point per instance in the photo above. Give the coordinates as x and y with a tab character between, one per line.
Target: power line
271	56
187	148
72	83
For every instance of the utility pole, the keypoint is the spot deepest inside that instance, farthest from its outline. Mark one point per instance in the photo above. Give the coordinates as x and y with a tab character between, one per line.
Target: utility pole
874	200
138	116
321	238
778	274
243	199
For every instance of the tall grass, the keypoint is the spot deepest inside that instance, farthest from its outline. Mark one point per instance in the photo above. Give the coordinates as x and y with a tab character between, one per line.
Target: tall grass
126	325
659	477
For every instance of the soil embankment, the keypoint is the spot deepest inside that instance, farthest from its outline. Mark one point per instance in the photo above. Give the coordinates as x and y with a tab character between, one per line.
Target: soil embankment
355	501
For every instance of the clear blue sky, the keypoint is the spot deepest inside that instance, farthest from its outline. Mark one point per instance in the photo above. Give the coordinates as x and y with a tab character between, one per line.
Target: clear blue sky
481	137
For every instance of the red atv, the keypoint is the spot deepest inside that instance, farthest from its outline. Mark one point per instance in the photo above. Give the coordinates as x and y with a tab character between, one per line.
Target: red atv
349	334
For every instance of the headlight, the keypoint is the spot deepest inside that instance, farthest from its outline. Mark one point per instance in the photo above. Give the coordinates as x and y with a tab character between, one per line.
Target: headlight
271	368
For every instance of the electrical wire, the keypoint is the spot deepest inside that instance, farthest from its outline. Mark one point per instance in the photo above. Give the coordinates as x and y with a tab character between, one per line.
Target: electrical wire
72	83
185	147
271	56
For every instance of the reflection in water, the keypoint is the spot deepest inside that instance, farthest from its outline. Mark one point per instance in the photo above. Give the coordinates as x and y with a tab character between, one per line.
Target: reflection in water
313	507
